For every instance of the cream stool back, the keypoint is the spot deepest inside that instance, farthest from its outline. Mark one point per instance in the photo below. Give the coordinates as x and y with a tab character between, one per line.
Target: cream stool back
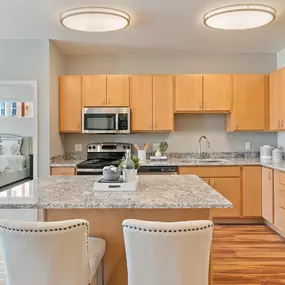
45	253
168	253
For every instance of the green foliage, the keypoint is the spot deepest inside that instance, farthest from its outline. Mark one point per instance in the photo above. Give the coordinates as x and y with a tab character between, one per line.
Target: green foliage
135	160
163	147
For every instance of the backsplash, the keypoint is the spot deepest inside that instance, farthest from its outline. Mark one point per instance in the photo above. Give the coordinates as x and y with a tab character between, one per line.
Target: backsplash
188	129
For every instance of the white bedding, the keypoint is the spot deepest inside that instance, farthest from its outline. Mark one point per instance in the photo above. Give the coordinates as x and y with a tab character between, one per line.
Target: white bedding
12	163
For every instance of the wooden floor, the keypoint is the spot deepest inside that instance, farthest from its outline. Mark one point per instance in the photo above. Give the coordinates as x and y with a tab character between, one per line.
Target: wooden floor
252	255
242	255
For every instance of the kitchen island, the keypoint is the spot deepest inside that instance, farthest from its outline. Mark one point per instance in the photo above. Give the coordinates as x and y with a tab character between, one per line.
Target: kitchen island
158	198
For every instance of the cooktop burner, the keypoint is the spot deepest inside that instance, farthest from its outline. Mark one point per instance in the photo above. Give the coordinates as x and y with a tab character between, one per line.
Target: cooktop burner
97	163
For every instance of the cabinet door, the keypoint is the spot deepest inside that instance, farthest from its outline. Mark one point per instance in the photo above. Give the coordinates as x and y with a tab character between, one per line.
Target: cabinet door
252	191
230	189
217	92
274	100
63	171
188	93
281	99
250	102
118	90
70	104
141	103
267	194
94	90
163	114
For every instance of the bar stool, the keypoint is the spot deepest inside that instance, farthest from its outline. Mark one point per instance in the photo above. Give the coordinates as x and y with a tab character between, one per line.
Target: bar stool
168	253
45	253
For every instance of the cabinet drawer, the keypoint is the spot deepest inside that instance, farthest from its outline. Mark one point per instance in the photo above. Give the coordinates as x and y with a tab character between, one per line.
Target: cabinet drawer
65	171
281	177
217	171
281	196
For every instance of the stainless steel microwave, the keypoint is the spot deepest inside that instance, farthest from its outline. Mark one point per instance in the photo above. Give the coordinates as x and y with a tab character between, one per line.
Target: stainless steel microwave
106	120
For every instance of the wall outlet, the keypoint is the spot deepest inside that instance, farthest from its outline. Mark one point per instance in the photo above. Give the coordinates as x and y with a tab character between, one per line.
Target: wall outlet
155	146
78	147
247	145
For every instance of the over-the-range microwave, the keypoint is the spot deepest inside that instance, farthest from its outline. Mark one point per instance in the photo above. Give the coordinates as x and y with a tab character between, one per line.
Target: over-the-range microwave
106	120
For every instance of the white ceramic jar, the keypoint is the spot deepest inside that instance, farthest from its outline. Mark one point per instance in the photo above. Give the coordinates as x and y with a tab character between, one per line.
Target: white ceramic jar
277	155
266	153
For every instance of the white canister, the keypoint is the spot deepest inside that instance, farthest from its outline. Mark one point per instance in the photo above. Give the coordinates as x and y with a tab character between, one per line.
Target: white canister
142	155
277	154
266	153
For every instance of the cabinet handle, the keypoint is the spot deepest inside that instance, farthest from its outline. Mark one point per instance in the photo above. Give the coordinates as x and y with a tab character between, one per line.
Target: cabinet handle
282	124
78	127
212	183
104	103
278	123
269	175
150	125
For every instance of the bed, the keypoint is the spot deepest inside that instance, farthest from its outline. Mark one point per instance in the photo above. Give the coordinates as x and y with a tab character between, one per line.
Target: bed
14	158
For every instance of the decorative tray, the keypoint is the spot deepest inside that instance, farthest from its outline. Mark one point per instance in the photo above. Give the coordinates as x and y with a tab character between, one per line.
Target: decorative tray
102	185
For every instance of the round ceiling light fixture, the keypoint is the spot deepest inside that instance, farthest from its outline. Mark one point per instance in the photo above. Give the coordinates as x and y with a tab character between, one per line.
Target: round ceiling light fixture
240	17
94	19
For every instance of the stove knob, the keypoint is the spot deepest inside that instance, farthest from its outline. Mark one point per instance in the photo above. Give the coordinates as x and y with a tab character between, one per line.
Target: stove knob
128	147
89	147
124	147
94	146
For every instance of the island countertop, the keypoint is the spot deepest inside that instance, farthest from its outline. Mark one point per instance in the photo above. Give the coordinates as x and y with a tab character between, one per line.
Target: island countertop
162	192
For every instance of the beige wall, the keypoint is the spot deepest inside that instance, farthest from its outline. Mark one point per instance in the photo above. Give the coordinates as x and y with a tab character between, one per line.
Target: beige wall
56	68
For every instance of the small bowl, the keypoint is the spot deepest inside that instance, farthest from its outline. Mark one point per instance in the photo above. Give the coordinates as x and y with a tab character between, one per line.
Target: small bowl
111	176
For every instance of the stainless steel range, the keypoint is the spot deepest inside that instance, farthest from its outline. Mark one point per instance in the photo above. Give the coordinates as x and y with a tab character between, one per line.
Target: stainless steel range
100	155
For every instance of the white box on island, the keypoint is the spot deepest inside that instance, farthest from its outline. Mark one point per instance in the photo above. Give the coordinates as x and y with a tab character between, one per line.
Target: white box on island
101	186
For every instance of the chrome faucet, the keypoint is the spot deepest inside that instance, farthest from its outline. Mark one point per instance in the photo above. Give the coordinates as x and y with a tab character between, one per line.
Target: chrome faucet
208	145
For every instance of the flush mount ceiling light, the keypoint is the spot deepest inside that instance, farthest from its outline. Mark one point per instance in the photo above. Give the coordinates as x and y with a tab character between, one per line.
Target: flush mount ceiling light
94	19
240	17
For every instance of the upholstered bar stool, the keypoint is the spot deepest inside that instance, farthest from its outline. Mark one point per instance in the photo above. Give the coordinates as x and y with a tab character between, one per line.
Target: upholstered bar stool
51	253
168	253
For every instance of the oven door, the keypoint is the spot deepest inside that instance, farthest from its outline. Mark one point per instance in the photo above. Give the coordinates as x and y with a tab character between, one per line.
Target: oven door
99	120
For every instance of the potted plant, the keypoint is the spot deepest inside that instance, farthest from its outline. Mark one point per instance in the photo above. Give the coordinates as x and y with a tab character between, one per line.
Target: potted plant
135	160
163	147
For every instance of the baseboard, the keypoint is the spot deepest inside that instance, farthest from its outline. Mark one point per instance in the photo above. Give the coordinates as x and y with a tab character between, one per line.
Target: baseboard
239	221
274	228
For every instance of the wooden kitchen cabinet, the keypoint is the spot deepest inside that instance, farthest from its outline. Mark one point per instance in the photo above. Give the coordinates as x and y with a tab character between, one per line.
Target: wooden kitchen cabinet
230	189
267	194
188	93
64	171
70	104
277	100
94	90
118	91
141	103
216	92
252	191
250	103
163	112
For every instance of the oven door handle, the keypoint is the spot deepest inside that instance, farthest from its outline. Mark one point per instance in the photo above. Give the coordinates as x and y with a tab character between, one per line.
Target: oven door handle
117	121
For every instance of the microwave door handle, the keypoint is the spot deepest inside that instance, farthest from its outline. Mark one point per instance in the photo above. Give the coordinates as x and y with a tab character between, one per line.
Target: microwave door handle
117	121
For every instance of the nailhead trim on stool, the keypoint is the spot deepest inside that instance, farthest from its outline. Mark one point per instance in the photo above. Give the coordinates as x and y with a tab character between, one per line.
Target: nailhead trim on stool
168	231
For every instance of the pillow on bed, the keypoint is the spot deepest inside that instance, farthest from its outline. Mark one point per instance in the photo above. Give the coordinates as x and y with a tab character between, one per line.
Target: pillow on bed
11	146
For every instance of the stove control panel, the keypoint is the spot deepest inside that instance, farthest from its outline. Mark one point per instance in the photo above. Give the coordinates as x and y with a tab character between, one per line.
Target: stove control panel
108	147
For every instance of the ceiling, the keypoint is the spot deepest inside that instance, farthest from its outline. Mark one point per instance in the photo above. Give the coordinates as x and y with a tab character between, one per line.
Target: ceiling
157	26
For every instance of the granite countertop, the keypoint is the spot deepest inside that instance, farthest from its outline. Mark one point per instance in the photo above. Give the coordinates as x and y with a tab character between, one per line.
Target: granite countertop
57	192
61	162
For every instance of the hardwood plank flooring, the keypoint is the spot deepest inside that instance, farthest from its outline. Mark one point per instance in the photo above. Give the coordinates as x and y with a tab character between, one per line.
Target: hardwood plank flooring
248	255
242	255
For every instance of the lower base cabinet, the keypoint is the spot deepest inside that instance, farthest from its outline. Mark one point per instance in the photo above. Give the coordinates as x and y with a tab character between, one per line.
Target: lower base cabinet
63	171
240	185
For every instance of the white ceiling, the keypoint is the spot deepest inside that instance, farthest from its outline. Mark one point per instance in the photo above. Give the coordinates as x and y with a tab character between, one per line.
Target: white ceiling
157	26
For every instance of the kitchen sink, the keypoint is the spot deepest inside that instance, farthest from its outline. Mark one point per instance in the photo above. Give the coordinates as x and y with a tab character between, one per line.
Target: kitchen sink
196	160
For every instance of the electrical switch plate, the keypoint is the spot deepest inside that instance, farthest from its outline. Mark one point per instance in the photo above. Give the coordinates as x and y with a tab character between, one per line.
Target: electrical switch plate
247	145
78	147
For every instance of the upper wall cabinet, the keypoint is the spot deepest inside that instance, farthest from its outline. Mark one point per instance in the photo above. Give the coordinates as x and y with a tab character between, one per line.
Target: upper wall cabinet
202	93
277	100
101	90
217	92
152	103
70	104
188	93
118	90
250	110
94	90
